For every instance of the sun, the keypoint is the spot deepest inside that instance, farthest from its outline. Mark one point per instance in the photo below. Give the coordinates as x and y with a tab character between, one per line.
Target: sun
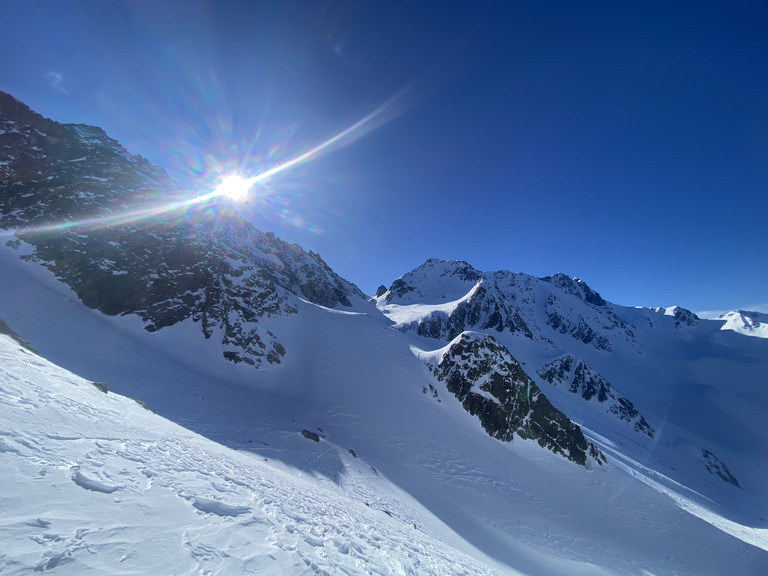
235	187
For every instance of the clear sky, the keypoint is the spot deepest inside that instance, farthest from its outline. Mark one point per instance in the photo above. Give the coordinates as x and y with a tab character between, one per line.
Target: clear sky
625	143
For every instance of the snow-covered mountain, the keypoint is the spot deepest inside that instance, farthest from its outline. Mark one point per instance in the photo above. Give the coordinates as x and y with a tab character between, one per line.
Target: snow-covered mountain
80	201
95	484
524	421
746	322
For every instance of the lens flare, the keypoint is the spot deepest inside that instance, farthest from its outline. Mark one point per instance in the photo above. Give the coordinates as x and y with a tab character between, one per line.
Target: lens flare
235	187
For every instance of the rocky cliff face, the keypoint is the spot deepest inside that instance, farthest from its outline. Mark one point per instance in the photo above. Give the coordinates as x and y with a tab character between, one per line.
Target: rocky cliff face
490	384
115	228
582	380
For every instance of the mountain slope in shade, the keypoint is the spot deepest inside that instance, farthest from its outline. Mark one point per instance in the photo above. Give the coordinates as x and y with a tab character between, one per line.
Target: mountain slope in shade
441	299
98	218
490	384
385	443
660	385
581	379
207	265
95	484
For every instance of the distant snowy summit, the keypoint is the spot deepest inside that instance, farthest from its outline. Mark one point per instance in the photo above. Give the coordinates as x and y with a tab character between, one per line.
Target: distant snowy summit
440	299
746	322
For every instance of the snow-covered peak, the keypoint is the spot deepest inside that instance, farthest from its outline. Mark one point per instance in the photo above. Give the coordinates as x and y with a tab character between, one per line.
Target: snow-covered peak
441	299
433	282
746	322
682	316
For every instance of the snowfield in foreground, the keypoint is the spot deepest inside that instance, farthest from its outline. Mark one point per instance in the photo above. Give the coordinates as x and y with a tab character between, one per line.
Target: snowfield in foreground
95	484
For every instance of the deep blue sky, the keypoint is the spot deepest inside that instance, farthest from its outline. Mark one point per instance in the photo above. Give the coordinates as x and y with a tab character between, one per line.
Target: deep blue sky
625	143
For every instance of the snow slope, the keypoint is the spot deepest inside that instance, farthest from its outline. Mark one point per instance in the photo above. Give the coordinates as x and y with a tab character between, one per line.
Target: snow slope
95	484
359	387
746	322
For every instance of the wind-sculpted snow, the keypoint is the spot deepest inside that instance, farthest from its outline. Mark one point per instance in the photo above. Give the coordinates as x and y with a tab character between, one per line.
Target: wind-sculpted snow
204	264
582	380
490	384
117	489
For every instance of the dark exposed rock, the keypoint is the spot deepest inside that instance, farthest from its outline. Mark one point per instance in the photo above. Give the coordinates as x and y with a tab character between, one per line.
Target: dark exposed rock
490	384
400	287
8	331
310	435
73	193
381	291
506	302
578	330
101	386
481	311
587	383
682	316
718	468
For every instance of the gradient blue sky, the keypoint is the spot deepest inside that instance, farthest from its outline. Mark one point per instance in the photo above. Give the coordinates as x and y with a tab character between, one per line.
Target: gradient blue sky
625	143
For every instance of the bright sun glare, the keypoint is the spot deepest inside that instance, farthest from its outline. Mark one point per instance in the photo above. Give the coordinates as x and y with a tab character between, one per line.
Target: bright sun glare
234	187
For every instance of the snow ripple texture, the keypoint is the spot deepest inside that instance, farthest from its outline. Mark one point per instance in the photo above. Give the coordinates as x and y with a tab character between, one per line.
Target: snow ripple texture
95	484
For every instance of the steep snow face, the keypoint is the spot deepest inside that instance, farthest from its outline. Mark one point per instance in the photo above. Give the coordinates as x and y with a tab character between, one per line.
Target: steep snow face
591	386
202	263
747	323
95	484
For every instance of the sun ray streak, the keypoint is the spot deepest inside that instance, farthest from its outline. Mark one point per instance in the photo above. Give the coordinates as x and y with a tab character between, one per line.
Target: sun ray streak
365	125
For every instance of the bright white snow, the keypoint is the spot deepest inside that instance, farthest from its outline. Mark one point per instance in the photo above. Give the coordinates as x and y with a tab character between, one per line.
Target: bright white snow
747	323
95	484
122	483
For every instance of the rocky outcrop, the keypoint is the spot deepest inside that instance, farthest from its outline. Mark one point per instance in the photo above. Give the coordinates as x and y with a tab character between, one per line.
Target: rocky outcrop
716	467
682	316
582	380
490	384
576	287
